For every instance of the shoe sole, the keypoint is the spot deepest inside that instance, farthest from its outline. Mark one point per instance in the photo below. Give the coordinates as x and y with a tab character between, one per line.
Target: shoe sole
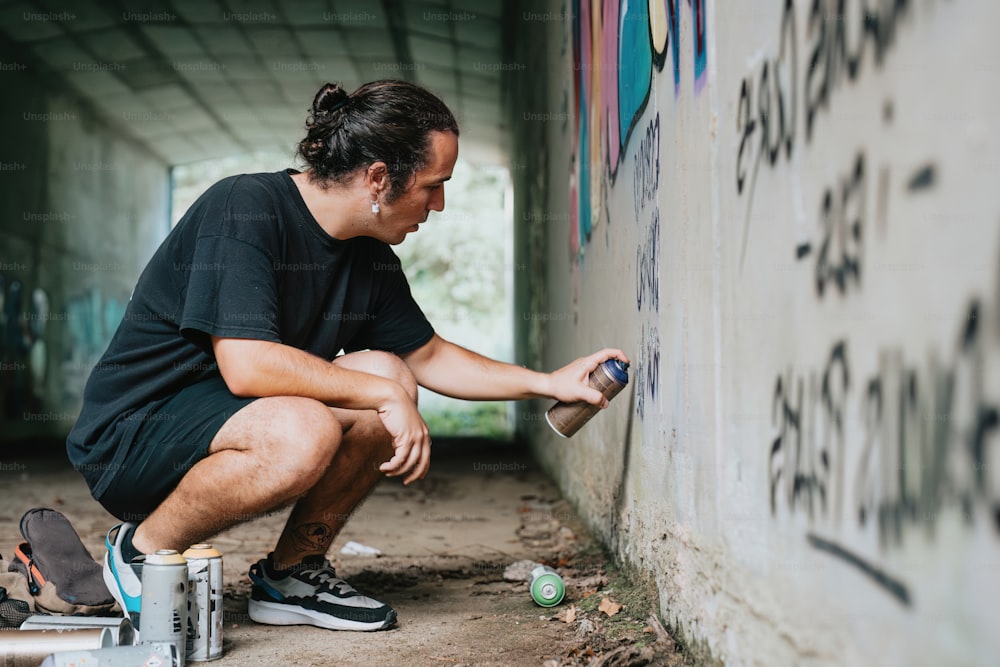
275	613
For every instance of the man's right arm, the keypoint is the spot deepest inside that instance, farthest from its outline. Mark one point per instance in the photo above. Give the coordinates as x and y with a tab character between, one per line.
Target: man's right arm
258	368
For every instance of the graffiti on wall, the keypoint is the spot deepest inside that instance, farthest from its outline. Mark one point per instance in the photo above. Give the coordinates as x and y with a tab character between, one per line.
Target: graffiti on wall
930	439
647	368
647	262
847	38
92	318
893	452
842	223
24	318
617	45
28	328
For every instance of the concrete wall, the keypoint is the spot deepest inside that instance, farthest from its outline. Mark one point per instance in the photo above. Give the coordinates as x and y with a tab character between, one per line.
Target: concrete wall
81	211
787	216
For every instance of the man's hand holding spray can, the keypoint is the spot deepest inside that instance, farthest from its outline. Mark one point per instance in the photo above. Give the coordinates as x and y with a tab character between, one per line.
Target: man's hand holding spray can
609	378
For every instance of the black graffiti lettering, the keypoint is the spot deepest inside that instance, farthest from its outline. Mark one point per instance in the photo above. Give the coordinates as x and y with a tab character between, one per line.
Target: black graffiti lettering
900	485
836	384
930	439
839	35
781	416
787	62
647	167
832	57
880	26
776	113
866	489
775	107
796	468
983	417
841	223
648	368
647	267
819	66
746	125
841	50
764	113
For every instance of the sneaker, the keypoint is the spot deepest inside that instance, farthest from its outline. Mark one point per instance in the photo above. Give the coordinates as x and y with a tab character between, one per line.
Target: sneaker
124	580
313	595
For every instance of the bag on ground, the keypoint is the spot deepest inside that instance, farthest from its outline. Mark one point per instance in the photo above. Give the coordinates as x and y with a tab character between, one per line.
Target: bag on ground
63	578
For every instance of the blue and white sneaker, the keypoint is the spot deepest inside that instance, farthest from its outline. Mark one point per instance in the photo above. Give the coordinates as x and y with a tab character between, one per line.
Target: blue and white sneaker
124	580
313	595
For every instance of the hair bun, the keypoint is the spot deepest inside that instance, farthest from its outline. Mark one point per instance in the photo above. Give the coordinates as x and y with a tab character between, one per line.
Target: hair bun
329	98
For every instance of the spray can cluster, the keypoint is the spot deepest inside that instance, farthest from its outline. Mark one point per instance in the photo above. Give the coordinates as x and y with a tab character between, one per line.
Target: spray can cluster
180	620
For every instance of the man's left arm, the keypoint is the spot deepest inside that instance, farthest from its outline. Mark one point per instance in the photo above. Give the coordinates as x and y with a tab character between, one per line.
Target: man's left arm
452	370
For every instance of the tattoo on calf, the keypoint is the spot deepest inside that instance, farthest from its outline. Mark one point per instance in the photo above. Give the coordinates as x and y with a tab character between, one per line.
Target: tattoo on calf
313	536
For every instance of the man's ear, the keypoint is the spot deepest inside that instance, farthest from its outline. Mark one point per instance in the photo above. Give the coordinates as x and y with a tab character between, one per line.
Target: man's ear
377	178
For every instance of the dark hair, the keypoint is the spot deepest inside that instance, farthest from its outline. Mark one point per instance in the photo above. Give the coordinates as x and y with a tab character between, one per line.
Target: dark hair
386	121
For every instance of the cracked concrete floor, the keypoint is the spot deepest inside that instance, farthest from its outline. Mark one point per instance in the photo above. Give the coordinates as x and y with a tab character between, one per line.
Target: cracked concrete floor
445	544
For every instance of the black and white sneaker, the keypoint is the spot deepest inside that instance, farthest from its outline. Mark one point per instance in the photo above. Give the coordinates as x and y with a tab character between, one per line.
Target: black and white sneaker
311	594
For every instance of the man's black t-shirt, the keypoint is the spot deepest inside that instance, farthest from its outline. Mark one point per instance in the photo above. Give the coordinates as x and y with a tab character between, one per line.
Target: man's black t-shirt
247	260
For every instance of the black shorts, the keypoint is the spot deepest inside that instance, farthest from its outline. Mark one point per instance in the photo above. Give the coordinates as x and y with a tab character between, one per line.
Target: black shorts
167	443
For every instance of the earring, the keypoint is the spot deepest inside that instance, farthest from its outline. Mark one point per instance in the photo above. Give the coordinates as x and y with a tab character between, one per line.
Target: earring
374	206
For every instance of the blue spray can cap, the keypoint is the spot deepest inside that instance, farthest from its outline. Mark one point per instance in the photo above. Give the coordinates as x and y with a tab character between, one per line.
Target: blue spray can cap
618	370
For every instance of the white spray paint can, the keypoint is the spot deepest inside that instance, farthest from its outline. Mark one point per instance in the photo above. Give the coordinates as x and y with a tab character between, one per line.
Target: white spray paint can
164	600
204	603
162	654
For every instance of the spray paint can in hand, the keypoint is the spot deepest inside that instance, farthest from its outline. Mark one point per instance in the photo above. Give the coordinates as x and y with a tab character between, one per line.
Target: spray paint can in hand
547	588
204	606
609	378
164	600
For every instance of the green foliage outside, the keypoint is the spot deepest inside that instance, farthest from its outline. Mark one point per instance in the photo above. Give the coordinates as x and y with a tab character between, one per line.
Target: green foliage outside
459	268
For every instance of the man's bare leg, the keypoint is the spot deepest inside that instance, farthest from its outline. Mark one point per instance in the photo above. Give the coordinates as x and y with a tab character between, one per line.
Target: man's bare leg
264	457
271	452
320	515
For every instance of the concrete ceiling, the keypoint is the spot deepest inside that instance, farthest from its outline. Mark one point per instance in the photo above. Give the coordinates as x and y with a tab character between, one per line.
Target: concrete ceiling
199	79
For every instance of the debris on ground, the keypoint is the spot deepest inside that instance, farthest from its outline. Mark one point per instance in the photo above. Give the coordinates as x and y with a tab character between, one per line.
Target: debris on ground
520	570
608	607
613	619
353	548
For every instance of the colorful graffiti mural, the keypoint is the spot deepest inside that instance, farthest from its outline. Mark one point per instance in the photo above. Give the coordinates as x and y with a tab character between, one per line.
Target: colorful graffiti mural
29	327
616	47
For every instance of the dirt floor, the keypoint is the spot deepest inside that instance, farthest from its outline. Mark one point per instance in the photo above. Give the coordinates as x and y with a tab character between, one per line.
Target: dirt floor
446	544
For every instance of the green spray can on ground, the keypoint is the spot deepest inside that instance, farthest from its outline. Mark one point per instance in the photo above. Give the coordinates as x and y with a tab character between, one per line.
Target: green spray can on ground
547	588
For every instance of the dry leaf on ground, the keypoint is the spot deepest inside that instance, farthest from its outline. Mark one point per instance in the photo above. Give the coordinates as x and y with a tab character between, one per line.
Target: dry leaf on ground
567	615
608	607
